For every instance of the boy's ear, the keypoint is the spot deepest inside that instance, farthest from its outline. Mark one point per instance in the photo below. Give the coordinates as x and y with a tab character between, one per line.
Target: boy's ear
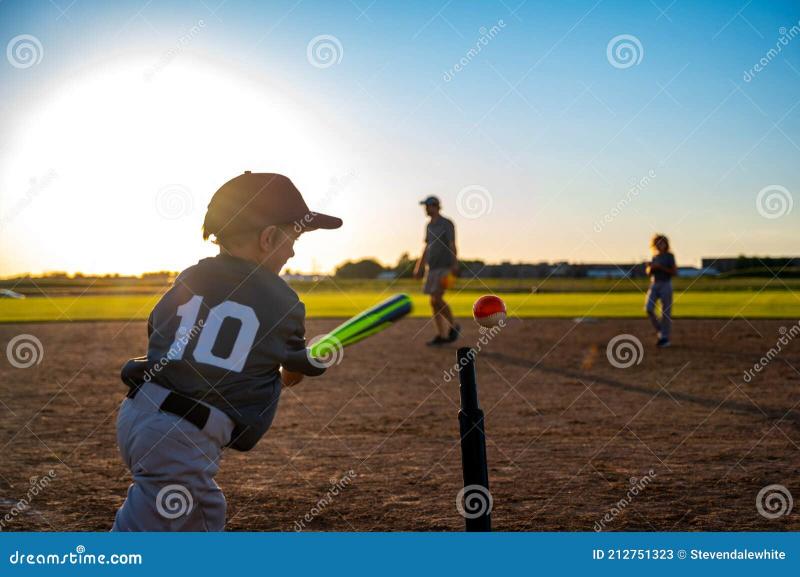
266	240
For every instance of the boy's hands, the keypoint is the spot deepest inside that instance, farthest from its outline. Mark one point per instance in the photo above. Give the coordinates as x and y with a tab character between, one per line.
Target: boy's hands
289	378
299	361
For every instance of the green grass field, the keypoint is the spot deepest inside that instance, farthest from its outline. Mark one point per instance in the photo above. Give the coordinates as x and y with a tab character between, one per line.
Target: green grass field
695	303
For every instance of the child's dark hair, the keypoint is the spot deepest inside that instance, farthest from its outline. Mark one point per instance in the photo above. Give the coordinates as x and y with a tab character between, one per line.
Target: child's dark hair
227	239
659	238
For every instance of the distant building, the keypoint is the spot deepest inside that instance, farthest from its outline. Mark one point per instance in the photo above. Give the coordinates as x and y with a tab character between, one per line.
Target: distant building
561	269
720	264
564	269
694	272
626	270
727	264
606	272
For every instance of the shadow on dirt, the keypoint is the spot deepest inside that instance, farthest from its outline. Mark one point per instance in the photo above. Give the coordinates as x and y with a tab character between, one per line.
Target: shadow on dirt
771	414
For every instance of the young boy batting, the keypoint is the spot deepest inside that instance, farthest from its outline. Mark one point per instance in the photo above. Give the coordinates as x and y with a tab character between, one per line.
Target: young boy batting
440	257
661	269
222	341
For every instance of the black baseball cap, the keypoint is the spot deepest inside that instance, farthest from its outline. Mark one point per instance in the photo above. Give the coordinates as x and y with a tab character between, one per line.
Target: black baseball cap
255	200
431	201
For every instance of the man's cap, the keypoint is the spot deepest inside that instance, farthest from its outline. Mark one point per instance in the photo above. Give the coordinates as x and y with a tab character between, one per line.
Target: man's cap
431	200
255	200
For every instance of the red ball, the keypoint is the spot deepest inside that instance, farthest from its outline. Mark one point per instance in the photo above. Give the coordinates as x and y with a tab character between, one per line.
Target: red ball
489	310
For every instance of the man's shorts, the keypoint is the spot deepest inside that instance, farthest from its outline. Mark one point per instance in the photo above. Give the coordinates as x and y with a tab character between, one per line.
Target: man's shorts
434	281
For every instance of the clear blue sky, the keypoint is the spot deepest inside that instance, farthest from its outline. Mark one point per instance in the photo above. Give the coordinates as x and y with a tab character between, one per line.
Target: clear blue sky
136	104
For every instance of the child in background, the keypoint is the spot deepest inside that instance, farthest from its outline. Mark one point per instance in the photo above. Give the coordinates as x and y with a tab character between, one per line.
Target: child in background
661	270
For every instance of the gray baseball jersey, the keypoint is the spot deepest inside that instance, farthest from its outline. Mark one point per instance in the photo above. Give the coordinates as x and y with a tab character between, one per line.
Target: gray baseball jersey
438	236
220	335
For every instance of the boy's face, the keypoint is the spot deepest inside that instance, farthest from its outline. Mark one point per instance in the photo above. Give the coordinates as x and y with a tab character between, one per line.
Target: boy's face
432	209
277	246
661	245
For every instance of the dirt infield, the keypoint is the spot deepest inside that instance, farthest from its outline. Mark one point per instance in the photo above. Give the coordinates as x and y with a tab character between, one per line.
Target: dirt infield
568	433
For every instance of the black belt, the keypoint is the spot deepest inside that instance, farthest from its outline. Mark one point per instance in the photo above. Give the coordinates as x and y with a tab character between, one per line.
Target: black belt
184	407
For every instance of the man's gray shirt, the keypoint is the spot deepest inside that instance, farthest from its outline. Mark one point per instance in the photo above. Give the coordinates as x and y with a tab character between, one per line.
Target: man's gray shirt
439	236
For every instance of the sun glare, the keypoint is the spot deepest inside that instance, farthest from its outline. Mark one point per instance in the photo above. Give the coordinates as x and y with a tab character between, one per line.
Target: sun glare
114	173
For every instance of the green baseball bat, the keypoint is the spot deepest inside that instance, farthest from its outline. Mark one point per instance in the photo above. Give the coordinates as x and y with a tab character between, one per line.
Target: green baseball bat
373	320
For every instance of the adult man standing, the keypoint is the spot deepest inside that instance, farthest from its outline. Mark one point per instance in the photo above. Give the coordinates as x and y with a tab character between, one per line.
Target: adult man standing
440	257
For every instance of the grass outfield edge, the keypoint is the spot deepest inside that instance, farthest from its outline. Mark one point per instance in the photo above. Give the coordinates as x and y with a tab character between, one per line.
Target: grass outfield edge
320	305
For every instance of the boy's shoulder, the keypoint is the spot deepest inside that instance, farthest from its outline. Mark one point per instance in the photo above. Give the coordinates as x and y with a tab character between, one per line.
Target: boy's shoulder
236	277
